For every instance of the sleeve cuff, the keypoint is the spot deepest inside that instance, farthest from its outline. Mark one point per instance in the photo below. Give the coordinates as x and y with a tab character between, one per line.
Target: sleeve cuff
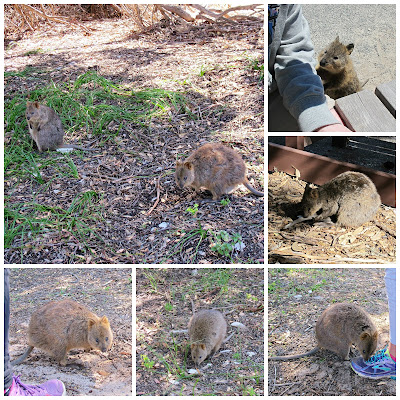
316	117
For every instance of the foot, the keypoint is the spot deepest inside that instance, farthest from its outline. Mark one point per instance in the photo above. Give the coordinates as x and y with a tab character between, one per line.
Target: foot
381	365
49	388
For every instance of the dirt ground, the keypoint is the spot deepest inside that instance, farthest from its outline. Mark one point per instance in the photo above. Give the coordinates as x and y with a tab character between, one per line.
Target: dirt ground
373	242
105	292
296	298
228	100
163	305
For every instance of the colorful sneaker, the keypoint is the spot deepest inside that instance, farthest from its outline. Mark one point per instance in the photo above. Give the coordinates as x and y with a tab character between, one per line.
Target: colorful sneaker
381	365
49	388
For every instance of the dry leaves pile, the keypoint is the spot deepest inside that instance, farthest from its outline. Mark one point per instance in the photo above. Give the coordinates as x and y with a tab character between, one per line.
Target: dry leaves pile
373	242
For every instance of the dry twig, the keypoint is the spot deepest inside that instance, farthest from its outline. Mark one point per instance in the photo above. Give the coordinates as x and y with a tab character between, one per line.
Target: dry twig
158	195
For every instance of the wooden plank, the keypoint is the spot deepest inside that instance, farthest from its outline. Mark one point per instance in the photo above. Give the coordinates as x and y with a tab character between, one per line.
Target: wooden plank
364	112
296	142
386	92
319	169
299	142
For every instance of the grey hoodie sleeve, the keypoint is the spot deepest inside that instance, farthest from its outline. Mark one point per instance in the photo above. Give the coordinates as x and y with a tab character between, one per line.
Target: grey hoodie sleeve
294	70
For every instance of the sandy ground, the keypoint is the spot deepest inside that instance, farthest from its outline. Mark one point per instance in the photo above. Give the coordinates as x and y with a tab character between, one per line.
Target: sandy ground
372	29
105	291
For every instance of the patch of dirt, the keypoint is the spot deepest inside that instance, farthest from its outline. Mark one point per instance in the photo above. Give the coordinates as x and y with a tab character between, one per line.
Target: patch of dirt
373	242
296	298
163	305
103	291
224	93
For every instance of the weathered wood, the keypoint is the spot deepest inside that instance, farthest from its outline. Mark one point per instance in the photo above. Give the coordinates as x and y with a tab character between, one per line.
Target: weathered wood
296	142
299	142
364	112
386	92
319	169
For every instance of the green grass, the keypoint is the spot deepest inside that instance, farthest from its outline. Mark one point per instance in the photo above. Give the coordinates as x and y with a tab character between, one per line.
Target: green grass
91	106
217	287
26	220
212	278
196	235
256	65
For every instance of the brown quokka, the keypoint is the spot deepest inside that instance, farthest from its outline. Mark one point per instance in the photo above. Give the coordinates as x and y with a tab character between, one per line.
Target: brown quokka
207	331
349	199
338	327
337	71
46	129
59	326
215	167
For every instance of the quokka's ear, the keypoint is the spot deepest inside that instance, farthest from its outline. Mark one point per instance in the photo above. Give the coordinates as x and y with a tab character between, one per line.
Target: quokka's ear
91	322
314	194
350	48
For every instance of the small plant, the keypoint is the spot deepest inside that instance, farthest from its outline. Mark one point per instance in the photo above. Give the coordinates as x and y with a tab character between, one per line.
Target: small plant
72	167
203	70
152	280
193	210
32	52
168	307
219	277
318	286
251	297
225	202
146	362
236	356
186	238
271	287
249	391
256	65
225	243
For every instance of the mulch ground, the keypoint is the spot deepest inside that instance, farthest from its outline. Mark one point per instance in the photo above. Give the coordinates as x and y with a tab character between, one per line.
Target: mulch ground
228	102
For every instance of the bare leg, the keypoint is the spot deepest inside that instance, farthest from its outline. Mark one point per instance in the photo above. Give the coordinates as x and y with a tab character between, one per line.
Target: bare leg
392	350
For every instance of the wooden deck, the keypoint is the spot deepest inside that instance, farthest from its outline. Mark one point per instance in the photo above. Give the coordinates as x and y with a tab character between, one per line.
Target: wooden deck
369	112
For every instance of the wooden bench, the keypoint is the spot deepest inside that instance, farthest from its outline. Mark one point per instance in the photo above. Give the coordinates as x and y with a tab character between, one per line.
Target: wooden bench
368	112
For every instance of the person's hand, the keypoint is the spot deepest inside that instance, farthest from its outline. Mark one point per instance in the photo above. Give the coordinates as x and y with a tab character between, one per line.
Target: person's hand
333	128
